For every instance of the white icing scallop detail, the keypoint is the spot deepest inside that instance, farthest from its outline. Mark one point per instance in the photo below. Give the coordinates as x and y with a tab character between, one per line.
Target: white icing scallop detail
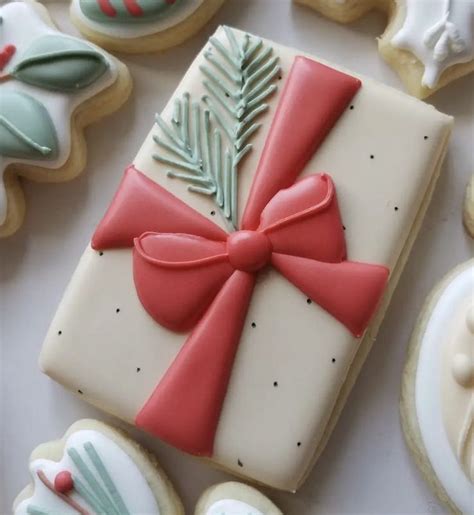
463	369
125	474
21	25
123	31
439	32
232	507
470	319
428	398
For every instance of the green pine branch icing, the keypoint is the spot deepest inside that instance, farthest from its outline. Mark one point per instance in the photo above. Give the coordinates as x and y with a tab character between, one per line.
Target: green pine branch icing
93	484
26	128
60	63
205	141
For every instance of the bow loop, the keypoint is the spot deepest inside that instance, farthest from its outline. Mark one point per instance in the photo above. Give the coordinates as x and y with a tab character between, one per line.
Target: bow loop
177	276
304	220
142	205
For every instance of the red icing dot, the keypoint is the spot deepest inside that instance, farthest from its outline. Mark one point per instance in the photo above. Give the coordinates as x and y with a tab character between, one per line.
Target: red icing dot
6	54
63	482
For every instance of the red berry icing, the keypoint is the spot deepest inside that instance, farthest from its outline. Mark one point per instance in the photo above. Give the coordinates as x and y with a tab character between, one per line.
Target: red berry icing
63	482
6	54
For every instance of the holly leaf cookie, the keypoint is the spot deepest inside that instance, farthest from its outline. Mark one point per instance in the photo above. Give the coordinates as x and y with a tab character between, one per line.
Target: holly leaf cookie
234	498
428	43
96	469
51	86
437	400
138	26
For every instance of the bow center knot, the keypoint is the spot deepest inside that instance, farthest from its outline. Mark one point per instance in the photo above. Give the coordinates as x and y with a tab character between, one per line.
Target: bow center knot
249	251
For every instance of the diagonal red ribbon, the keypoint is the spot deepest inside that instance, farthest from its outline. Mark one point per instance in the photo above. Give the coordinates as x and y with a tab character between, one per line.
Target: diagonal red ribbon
191	275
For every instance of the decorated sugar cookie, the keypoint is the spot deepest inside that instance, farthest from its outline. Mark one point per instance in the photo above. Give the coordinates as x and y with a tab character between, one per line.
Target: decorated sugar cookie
137	26
429	43
95	469
51	86
437	404
245	262
468	211
234	499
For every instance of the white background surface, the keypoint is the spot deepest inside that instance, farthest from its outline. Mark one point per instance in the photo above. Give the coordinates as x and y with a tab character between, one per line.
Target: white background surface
366	467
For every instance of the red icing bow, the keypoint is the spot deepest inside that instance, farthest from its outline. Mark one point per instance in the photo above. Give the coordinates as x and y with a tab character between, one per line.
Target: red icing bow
190	275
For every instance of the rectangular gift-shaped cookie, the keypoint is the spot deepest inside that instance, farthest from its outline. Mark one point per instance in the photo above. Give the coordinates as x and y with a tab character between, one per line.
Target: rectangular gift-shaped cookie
236	283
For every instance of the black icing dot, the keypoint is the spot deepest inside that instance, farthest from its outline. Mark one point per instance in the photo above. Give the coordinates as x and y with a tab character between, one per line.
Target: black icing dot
213	213
275	383
344	227
299	444
279	77
117	310
351	107
80	391
309	301
426	137
138	369
333	360
60	333
254	325
372	156
101	253
239	463
396	208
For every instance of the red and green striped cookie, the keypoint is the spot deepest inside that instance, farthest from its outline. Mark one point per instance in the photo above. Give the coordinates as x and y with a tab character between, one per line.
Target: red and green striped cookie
125	11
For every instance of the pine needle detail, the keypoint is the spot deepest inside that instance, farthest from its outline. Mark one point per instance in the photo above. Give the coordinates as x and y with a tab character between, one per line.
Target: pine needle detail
206	140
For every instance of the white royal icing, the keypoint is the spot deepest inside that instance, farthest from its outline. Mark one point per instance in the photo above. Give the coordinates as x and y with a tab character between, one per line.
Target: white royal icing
21	25
232	507
439	33
125	474
183	10
428	398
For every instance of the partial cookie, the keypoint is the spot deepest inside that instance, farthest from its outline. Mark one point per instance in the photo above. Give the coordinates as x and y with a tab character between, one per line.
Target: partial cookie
51	86
234	498
96	469
231	278
138	26
437	401
428	43
468	212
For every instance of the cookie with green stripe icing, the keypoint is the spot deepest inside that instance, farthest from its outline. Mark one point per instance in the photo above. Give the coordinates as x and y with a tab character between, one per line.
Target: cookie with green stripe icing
96	469
136	26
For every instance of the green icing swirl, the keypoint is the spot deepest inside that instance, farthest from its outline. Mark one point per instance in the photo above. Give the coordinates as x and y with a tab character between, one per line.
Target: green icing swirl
60	63
152	11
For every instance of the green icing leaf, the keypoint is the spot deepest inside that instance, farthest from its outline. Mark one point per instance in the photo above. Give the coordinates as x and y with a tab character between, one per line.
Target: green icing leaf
60	63
26	129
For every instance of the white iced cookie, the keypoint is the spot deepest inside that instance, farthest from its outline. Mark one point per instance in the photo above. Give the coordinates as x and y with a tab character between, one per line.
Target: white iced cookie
429	43
468	212
437	403
95	469
137	26
234	499
51	87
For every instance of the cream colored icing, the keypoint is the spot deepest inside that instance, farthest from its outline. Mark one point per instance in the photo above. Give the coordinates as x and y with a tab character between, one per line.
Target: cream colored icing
439	32
23	22
321	350
443	406
232	507
132	486
182	11
458	390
